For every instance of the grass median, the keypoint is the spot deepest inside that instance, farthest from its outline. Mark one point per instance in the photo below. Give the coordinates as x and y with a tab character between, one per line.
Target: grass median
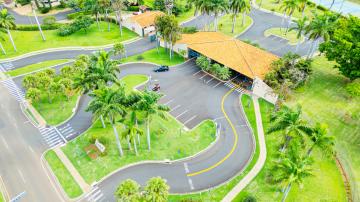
93	37
35	67
225	24
291	36
66	180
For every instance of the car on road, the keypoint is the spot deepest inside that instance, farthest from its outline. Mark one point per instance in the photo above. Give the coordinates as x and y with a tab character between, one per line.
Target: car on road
162	68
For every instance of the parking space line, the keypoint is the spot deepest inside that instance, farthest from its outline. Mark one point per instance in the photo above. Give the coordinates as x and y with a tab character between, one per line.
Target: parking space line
217	84
175	108
190	119
196	73
191	184
21	175
210	80
168	102
181	113
203	76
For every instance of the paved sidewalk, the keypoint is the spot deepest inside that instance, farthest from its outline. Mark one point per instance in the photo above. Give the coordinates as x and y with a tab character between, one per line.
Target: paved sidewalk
76	175
259	164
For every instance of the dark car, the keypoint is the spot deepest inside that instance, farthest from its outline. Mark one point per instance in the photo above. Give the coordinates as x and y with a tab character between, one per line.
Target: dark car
162	68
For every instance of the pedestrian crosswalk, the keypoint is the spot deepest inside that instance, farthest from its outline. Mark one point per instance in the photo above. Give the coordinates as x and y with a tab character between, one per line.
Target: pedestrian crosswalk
6	66
51	136
237	88
67	131
14	90
95	195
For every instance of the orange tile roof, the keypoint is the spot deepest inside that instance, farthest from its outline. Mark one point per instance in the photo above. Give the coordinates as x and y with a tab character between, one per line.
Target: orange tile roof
146	19
235	54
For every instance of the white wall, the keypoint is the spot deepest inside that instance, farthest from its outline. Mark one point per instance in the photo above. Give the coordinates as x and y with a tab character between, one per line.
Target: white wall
147	30
262	90
132	26
177	47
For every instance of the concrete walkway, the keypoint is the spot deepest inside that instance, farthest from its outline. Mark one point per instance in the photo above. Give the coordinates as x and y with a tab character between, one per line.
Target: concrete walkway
76	175
260	162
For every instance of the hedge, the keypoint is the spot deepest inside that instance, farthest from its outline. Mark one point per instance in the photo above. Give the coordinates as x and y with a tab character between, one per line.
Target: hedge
72	16
35	27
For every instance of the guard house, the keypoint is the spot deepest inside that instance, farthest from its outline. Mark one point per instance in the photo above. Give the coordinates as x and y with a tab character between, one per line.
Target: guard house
143	23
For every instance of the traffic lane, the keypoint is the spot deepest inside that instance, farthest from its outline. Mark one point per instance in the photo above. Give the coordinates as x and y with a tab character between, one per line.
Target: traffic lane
20	157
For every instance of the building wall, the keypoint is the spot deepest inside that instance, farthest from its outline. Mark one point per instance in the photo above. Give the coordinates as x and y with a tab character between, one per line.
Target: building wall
177	47
133	26
261	89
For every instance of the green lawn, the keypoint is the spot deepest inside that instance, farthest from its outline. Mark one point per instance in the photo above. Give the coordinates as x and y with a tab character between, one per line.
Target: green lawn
290	36
225	24
161	57
271	5
326	184
57	111
1	197
64	177
36	66
219	193
186	15
94	37
133	80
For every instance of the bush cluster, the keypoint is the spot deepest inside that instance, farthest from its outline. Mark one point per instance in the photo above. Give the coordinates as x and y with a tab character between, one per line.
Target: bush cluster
35	27
44	9
133	8
216	69
49	20
23	2
189	30
82	22
75	15
353	88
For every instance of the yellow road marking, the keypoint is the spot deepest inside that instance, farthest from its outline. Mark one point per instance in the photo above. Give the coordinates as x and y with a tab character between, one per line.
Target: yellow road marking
235	142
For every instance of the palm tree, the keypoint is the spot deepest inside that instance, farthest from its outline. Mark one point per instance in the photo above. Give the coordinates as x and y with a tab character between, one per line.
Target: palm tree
292	169
105	6
290	123
119	49
132	130
156	190
322	140
2	39
206	7
299	27
128	190
237	6
218	7
148	104
94	7
7	22
288	7
107	102
302	6
118	6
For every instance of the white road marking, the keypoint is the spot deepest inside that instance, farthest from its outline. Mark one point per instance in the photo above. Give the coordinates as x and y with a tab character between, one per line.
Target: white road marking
217	84
30	148
186	168
168	102
27	121
210	80
5	143
21	175
219	118
190	119
203	76
196	73
181	113
175	108
191	184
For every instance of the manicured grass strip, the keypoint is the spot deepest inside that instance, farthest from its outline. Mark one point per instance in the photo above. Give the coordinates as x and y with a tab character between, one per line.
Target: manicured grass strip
93	37
225	24
290	35
182	17
162	57
219	193
64	177
1	197
133	80
28	112
36	66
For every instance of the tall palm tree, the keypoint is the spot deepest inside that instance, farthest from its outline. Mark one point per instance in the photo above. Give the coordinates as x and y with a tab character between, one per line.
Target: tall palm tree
7	21
322	140
290	123
94	7
173	33
206	7
105	6
106	102
302	6
245	9
218	7
237	6
292	169
288	7
149	105
132	130
118	6
299	27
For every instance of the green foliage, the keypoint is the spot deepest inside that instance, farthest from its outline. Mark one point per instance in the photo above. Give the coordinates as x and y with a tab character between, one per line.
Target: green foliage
218	70
36	28
189	30
128	191
100	137
344	47
156	190
66	30
44	9
23	2
176	10
139	57
133	8
119	49
249	198
49	20
72	16
81	22
353	88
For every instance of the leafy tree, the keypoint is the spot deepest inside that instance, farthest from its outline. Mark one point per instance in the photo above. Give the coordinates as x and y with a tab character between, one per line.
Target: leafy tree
33	94
203	62
83	22
30	81
299	27
292	169
344	47
44	84
119	49
322	140
132	130
128	191
68	90
56	90
168	28
108	102
149	105
93	7
7	22
156	190
290	123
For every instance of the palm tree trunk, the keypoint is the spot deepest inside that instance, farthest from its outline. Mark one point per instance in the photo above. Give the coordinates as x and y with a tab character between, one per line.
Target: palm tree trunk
303	10
97	20
243	20
11	39
287	141
260	3
314	49
287	190
117	137
135	148
107	19
196	11
282	20
120	23
215	22
288	23
37	22
102	121
332	3
148	132
138	136
128	141
2	49
234	21
310	150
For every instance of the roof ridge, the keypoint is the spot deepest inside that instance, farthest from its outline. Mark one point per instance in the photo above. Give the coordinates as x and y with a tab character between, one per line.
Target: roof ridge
244	57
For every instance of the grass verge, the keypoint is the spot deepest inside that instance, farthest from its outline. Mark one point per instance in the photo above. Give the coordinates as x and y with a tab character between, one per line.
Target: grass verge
93	37
161	57
290	35
225	24
36	66
64	177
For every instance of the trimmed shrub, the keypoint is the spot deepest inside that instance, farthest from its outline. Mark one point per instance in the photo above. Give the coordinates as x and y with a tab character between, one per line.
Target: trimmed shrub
35	27
133	8
66	30
353	88
23	2
49	20
44	10
189	30
249	198
72	16
139	57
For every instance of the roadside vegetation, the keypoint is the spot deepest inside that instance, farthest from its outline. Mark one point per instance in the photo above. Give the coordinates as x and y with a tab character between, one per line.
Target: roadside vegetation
68	183
159	56
35	67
